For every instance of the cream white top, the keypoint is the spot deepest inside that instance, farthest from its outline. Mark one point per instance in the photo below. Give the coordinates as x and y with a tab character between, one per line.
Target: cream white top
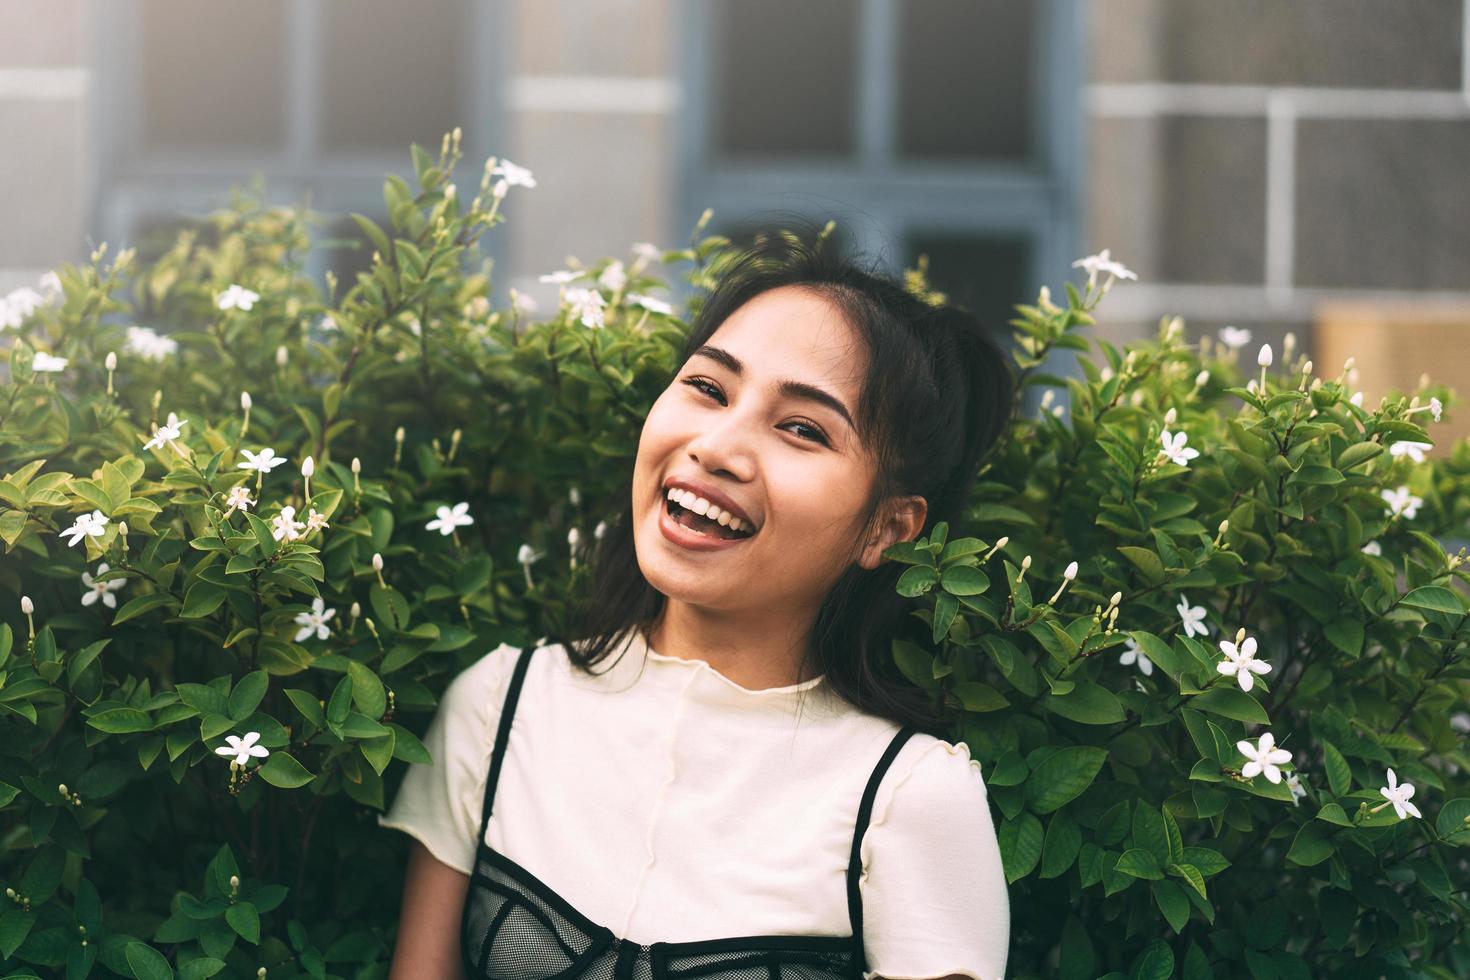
668	803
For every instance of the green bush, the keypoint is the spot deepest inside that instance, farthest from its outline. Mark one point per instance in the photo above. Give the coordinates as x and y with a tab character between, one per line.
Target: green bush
225	609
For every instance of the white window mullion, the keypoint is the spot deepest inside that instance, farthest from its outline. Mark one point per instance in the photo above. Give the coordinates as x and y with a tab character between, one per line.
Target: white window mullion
877	84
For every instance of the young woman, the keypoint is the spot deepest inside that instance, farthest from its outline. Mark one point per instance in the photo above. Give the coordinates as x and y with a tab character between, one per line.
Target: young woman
726	777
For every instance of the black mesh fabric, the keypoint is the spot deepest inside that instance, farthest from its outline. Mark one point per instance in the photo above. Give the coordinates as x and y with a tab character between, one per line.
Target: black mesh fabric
514	927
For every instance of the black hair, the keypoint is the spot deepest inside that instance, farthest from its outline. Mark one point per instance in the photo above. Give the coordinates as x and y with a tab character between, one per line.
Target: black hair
936	395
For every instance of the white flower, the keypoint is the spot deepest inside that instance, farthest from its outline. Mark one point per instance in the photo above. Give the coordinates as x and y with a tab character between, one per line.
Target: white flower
525	303
651	304
1298	792
1398	794
1357	399
1264	357
1103	262
1372	548
1413	450
1436	407
562	276
285	525
1402	502
93	525
1174	447
264	462
1242	663
243	748
328	322
648	251
448	519
526	555
47	362
1132	654
314	621
149	344
1263	756
1192	618
238	499
18	305
315	521
50	284
102	590
166	433
1234	337
586	305
614	277
513	175
236	297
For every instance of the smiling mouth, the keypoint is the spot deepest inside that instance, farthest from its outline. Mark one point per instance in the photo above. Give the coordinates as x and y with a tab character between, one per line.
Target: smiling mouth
702	525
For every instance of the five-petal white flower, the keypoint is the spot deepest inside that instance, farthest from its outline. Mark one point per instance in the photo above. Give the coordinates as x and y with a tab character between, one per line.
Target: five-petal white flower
1411	449
45	362
1103	262
1242	663
1192	617
101	590
93	525
148	344
1175	449
614	277
1398	794
1234	337
236	297
314	621
167	432
1133	654
1263	756
449	519
266	461
1402	502
243	748
587	305
515	176
285	525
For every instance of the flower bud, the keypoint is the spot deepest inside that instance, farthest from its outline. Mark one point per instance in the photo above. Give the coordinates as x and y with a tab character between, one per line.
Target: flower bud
356	466
1170	417
1225	525
1071	572
1307	368
1201	378
356	610
1240	636
377	562
449	191
111	361
1025	563
245	400
1047	397
26	606
61	788
599	530
1117	598
308	467
1347	365
398	435
573	536
282	356
234	881
575	496
499	190
1264	357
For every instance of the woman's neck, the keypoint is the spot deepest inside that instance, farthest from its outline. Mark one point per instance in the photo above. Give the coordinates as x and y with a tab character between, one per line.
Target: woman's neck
753	655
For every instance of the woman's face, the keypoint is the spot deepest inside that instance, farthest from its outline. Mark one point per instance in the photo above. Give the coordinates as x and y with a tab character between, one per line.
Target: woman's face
789	461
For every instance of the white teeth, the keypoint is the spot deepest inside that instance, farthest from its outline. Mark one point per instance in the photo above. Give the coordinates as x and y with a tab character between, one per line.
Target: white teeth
699	505
724	519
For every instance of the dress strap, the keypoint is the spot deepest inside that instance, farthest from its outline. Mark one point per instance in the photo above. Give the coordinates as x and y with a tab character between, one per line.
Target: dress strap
855	865
503	734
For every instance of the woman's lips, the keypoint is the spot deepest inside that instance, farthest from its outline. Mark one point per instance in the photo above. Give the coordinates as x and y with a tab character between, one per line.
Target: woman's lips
689	538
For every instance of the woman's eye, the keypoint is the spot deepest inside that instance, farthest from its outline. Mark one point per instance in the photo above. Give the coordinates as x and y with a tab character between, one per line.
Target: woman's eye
705	388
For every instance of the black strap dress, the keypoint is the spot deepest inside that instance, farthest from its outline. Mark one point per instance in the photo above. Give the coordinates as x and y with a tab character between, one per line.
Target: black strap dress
515	927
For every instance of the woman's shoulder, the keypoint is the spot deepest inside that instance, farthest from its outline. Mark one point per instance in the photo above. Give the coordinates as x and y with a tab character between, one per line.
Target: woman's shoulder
933	778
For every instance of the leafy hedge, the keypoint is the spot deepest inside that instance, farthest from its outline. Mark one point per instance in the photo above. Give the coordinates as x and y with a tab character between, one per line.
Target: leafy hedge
212	662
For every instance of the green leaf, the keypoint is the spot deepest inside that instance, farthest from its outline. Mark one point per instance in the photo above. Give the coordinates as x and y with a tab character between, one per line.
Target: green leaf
1020	845
964	580
1358	452
1190	875
281	769
263	536
1452	818
141	604
1059	850
916	663
1160	653
367	690
1339	775
1000	514
1146	561
1310	846
340	703
1140	864
917	580
243	918
1088	704
202	599
1435	598
1063	776
119	721
15	925
247	695
1156	963
1345	633
147	963
1171	901
1231	702
389	606
978	697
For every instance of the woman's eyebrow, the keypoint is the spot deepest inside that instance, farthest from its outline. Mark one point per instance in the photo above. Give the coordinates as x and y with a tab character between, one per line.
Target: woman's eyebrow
786	386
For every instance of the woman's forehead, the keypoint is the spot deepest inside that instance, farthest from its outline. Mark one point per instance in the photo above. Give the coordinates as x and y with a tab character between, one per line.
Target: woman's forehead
794	332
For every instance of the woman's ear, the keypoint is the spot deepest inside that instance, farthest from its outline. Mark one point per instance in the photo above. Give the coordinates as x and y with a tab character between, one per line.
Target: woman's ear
902	520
